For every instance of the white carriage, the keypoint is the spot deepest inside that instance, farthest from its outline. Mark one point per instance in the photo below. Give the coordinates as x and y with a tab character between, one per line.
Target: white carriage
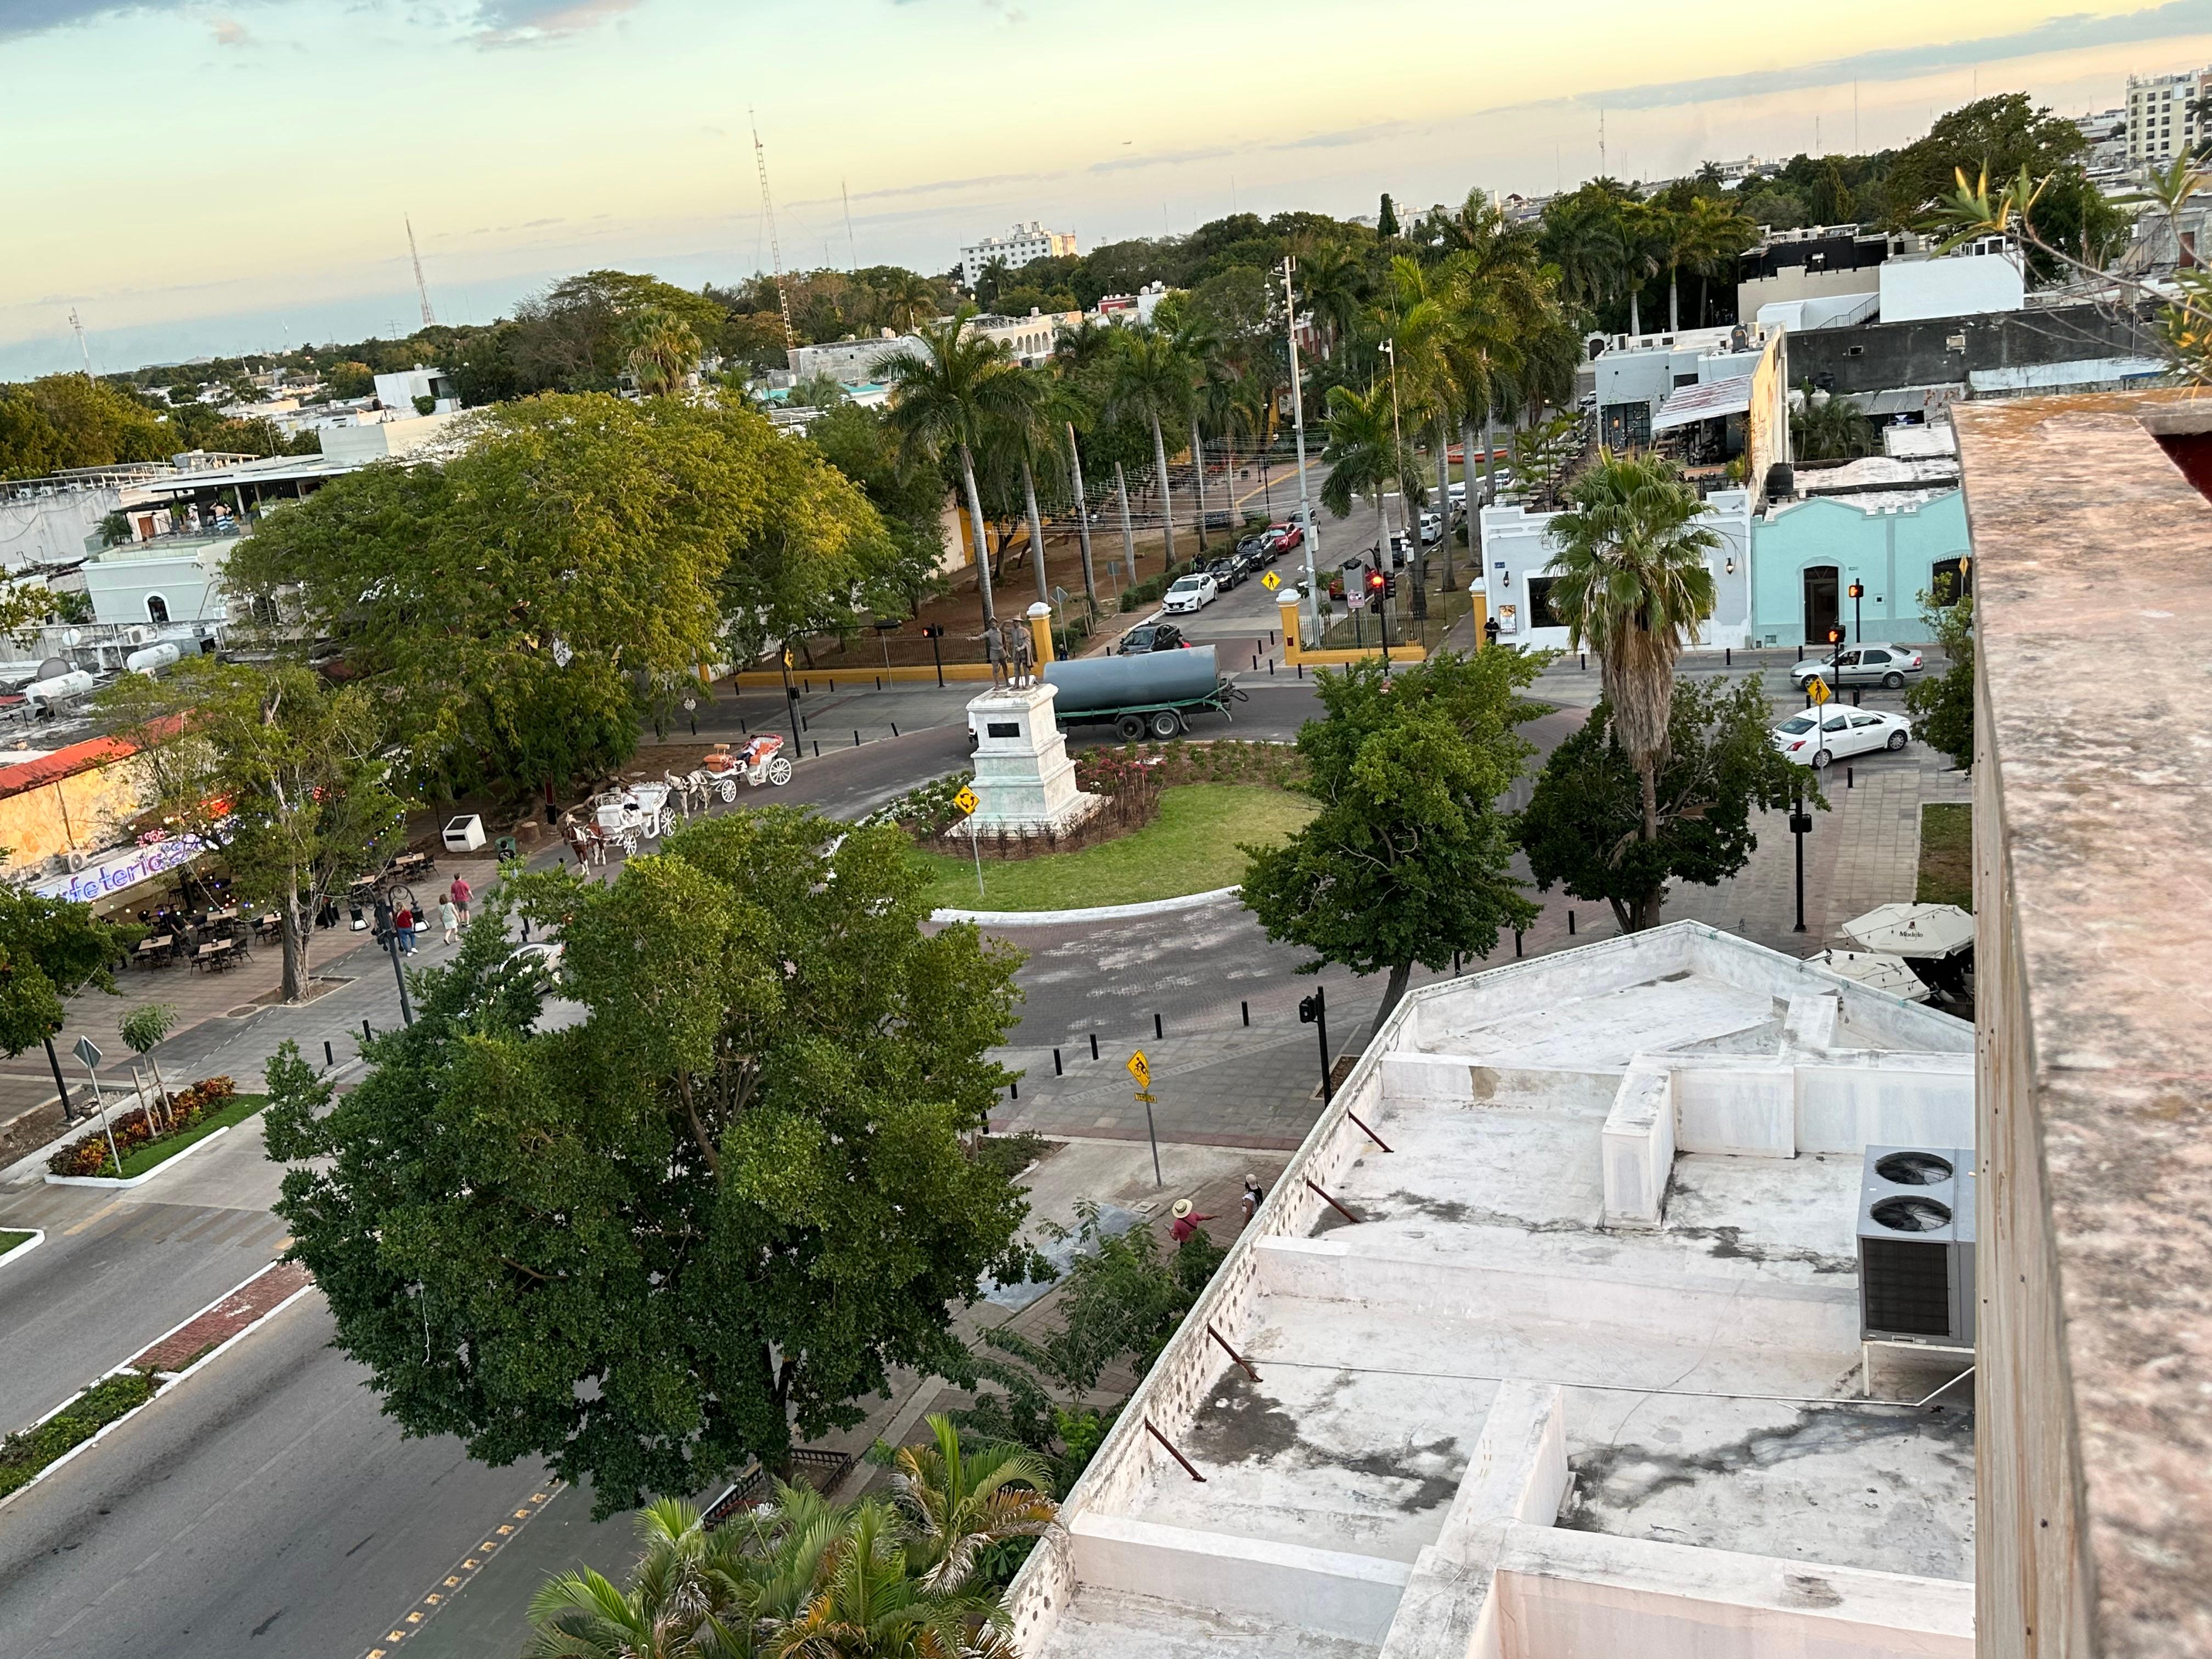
761	761
635	812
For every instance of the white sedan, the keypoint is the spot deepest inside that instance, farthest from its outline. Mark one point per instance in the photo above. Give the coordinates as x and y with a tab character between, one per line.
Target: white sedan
1841	733
1193	592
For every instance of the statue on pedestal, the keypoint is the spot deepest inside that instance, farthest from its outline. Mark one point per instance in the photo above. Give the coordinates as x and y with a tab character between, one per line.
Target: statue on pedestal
994	652
1021	652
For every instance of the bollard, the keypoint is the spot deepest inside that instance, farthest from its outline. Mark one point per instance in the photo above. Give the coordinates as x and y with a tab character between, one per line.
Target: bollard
1571	923
1517	941
1270	668
833	687
1847	777
746	730
328	1058
1016	1085
1246	1007
366	1033
1159	1031
1454	964
1728	657
1094	1045
1255	664
856	739
803	724
1801	653
817	749
895	728
1057	1070
1302	670
1585	657
807	686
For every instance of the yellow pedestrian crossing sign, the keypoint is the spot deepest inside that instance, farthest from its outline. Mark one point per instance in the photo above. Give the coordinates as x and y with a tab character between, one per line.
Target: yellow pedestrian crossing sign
1271	581
1141	1069
965	800
1817	689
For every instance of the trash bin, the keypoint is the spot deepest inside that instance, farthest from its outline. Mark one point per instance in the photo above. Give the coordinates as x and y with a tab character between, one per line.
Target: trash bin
505	847
465	834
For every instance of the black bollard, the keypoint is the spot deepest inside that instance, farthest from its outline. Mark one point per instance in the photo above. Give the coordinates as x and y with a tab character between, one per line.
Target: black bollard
1517	941
328	1058
1571	923
1057	1070
1159	1031
1246	1007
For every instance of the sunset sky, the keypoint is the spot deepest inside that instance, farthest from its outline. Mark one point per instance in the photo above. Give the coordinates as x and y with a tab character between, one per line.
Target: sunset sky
215	178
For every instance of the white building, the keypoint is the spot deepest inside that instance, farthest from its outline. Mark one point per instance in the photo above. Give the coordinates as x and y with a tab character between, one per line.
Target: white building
1981	277
1547	1345
398	392
1517	555
1031	339
2160	123
1137	307
1020	245
852	362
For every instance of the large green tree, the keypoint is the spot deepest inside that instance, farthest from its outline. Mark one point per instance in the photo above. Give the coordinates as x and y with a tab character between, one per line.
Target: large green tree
285	769
50	950
1583	826
704	1220
1997	136
1409	859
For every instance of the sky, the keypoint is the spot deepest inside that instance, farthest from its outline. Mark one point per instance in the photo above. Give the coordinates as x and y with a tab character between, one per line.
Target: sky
197	177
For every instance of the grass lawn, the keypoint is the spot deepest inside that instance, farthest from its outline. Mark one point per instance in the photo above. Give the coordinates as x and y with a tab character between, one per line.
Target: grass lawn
1946	855
1190	848
146	1158
9	1240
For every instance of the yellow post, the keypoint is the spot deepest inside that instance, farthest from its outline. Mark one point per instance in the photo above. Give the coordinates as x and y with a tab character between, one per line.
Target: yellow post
1289	602
1481	612
1041	632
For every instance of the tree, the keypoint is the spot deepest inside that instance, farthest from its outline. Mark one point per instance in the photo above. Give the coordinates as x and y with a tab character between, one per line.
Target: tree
283	770
1409	859
1942	706
944	395
142	1030
823	391
575	336
1334	284
1583	826
1363	452
1998	137
1633	588
1543	452
50	950
1386	219
1148	379
702	1221
1826	427
909	496
348	380
664	349
960	1503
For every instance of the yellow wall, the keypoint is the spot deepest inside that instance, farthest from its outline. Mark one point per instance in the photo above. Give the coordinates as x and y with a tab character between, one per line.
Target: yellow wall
83	812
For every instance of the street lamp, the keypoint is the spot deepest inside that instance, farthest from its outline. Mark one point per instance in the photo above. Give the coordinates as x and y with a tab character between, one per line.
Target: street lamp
1405	496
388	936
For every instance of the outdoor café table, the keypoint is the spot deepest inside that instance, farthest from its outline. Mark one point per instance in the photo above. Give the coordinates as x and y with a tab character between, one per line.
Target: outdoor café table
155	950
266	925
216	954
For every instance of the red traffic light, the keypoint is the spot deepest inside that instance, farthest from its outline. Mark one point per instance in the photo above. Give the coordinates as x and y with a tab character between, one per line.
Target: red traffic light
1377	582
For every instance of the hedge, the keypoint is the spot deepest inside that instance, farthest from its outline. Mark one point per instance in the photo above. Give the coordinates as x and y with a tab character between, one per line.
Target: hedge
26	1452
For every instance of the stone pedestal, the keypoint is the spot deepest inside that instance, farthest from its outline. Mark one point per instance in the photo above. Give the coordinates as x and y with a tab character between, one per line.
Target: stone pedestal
1023	779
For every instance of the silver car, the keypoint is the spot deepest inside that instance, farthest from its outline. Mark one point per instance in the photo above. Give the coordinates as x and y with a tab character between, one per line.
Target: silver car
1863	664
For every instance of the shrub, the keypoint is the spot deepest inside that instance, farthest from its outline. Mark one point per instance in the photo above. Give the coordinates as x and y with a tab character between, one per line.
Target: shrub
24	1453
88	1156
1009	1155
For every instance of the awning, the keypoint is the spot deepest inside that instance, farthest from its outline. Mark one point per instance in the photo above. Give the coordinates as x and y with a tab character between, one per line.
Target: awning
1707	401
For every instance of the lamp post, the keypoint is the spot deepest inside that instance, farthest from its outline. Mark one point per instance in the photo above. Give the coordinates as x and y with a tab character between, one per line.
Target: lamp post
1412	530
1800	826
388	937
1314	1011
1309	530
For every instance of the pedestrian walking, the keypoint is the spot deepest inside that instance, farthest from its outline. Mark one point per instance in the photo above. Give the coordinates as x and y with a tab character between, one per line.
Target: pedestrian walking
1255	1194
403	924
449	914
460	894
1186	1220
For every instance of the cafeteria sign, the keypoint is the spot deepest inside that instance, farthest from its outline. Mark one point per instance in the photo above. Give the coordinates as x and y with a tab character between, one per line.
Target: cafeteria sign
124	867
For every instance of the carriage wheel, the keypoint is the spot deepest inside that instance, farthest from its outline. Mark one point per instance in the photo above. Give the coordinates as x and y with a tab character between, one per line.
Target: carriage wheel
727	789
667	820
779	771
630	843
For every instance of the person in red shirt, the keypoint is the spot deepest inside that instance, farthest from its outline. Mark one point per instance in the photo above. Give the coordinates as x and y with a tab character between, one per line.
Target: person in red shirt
1186	1220
460	895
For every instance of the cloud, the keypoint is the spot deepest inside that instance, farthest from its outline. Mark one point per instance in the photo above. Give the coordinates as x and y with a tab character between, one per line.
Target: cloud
2076	33
19	18
936	187
540	224
527	22
1165	159
229	32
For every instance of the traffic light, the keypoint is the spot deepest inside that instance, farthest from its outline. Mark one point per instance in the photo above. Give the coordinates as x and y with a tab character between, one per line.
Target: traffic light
1390	585
1378	585
932	631
1855	591
1309	1008
1835	637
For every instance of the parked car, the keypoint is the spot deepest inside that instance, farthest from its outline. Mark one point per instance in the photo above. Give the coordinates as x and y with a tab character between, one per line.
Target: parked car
1192	593
1433	528
1226	572
1868	664
1152	636
1253	546
1818	736
1284	537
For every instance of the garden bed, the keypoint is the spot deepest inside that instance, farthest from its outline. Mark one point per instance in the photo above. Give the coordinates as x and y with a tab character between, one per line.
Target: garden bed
1192	846
1946	855
25	1453
146	1139
14	1241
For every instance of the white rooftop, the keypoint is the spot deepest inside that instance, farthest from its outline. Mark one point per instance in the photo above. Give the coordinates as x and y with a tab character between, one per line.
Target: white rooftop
1583	1375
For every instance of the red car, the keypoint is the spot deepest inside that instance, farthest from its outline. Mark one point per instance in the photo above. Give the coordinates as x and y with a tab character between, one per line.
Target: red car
1284	537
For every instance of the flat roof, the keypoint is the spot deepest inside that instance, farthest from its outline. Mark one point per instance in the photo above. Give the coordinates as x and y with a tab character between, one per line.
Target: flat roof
1690	1380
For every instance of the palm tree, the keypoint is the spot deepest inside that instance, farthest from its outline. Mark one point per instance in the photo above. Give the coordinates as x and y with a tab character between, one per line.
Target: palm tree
1634	588
1646	228
946	395
675	1608
867	1604
1148	379
960	1504
1025	424
1825	428
1716	233
1068	405
1423	340
1335	285
663	350
1364	455
908	297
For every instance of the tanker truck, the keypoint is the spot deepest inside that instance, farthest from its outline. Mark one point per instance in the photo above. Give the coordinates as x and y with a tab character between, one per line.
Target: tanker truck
1154	691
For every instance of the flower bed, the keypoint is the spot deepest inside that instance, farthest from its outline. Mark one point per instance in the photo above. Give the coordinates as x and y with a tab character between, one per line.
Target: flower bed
26	1452
206	1106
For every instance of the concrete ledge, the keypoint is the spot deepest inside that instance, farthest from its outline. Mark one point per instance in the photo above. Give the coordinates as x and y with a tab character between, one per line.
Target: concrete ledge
1636	1149
1564	1592
1328	1590
1096	913
160	1169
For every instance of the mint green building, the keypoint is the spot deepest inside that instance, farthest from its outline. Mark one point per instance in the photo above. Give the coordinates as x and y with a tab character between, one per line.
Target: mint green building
1805	555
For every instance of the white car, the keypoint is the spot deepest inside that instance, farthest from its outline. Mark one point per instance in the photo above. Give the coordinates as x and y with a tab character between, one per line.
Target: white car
1433	528
1840	732
1192	593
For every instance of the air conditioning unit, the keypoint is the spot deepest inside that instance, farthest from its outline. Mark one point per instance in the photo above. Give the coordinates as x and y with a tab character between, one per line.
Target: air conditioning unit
1916	1246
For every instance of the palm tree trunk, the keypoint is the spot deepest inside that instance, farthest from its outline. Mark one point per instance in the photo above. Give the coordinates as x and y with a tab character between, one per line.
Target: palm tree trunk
1128	534
1166	495
1082	515
1489	466
1444	490
982	541
1674	300
1037	527
1635	315
1198	478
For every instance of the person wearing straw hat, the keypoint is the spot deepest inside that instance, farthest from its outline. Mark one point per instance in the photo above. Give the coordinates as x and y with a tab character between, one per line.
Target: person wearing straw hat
1254	1194
1186	1220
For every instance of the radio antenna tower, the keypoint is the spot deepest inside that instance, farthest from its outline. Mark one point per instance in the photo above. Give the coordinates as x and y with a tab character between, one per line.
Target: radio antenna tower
422	288
768	210
78	323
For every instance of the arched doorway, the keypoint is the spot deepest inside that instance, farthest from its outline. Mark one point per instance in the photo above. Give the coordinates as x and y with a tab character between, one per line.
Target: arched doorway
157	608
1822	593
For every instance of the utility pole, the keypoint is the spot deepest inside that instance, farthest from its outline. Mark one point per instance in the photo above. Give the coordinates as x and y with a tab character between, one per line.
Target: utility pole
1312	530
851	247
422	288
775	248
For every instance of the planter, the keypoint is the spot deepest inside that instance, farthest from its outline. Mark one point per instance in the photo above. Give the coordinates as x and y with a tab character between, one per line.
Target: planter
144	1175
33	1238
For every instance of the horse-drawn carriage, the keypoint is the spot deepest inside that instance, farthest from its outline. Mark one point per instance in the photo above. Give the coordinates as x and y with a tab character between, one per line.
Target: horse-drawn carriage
624	816
761	761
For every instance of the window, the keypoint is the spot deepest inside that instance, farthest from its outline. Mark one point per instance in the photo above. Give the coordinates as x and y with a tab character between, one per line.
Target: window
1870	657
1949	581
157	608
1541	614
1866	720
